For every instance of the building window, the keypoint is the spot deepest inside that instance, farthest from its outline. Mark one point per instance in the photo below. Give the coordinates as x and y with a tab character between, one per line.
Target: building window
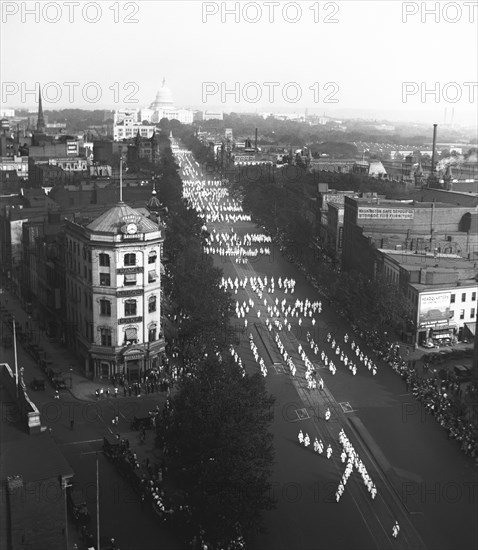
152	334
104	260
130	259
105	336
462	313
152	276
105	279
463	297
130	307
130	336
473	296
105	307
152	304
452	298
130	279
472	313
152	257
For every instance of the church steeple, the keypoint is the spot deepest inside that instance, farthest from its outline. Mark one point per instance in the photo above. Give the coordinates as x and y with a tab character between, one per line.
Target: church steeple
41	119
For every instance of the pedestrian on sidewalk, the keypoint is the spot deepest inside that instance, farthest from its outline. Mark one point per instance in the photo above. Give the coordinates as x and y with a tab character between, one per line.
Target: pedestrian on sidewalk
116	391
142	502
72	424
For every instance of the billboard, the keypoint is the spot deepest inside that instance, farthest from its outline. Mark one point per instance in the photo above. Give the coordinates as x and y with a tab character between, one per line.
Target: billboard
434	307
373	213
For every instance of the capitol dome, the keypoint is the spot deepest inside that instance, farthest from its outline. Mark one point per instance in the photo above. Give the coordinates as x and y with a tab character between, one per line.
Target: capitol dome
164	98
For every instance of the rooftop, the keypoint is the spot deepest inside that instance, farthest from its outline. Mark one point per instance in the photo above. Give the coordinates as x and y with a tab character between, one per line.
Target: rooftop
113	220
34	457
430	261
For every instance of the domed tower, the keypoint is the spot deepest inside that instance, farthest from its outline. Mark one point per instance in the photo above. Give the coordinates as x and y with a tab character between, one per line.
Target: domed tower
164	99
153	204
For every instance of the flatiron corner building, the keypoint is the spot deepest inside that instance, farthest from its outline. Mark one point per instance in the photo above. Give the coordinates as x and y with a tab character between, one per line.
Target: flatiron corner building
113	288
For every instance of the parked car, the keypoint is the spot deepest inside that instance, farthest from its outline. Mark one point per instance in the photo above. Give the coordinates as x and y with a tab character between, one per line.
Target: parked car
38	384
463	372
77	507
46	365
428	345
58	381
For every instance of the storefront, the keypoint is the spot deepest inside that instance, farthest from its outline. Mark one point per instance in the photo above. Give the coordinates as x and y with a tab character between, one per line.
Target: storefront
104	366
439	333
134	367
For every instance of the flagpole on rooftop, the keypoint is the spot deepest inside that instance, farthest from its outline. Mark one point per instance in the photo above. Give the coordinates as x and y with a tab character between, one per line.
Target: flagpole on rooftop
121	177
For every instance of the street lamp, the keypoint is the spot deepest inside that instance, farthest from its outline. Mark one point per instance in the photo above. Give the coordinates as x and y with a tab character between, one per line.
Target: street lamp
97	497
71	378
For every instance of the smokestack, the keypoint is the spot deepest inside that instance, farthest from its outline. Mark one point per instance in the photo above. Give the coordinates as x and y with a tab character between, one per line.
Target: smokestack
255	142
434	147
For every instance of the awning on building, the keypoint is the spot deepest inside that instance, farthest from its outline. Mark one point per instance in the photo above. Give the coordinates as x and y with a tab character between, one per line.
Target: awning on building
471	327
131	334
130	278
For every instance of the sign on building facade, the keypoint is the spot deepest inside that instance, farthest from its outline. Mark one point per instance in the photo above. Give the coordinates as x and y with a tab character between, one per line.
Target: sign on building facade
374	213
433	308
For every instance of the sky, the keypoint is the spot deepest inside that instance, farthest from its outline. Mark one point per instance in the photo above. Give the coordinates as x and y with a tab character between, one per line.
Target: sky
393	60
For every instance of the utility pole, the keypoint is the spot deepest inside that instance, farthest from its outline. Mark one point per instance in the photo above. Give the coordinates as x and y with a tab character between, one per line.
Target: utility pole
64	485
97	498
15	356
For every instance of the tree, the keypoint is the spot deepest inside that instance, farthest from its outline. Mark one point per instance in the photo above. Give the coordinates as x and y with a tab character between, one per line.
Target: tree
219	447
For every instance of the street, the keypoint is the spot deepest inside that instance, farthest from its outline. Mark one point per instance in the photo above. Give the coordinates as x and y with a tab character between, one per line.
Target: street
423	479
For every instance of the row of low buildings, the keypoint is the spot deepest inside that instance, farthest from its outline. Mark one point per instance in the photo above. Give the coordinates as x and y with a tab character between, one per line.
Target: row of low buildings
427	246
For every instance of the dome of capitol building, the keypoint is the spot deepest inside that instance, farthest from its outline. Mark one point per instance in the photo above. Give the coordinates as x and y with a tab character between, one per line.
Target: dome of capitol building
164	98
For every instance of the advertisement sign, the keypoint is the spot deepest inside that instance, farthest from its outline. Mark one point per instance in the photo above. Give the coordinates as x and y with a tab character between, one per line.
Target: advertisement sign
434	307
373	213
244	158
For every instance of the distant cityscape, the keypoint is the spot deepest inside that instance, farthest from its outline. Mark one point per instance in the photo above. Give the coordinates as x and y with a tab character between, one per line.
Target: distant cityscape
87	204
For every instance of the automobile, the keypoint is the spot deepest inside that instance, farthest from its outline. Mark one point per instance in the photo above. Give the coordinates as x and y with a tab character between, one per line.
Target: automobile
428	345
462	372
77	507
57	380
435	357
46	365
38	384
